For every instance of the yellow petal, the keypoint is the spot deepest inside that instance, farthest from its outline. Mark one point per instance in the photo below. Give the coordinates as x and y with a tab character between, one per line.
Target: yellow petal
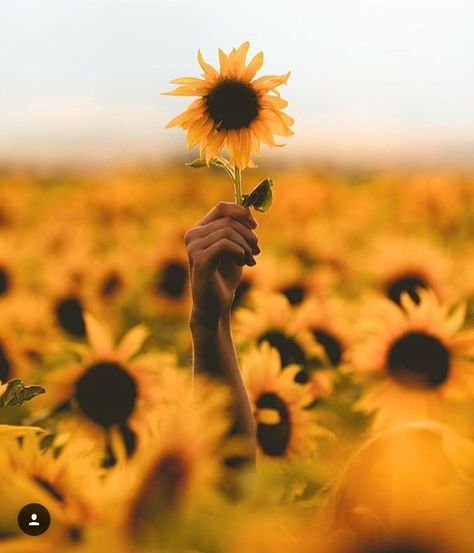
132	341
99	339
209	72
254	66
224	63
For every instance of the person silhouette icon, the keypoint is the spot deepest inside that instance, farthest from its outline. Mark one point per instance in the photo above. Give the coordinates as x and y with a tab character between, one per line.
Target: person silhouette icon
34	520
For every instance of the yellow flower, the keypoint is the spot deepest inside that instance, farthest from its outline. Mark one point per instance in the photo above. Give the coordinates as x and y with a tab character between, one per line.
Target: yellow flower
234	111
417	358
406	485
271	318
111	391
285	428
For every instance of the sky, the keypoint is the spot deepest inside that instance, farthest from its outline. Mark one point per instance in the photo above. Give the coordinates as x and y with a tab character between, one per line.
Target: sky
370	79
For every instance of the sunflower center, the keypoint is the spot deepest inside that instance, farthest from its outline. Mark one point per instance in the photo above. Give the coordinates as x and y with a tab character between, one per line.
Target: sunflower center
5	365
290	352
232	104
274	438
419	360
408	283
69	314
331	345
172	280
295	294
4	281
110	285
106	394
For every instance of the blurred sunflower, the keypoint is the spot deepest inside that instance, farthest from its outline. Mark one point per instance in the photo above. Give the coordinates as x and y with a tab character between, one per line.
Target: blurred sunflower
111	391
271	318
285	428
169	279
62	477
416	356
406	265
234	111
407	487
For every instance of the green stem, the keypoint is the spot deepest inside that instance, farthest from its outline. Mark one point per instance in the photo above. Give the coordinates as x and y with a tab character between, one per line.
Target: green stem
238	186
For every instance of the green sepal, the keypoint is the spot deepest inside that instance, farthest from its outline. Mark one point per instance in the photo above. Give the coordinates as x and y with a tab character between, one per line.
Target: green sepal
261	196
199	162
17	393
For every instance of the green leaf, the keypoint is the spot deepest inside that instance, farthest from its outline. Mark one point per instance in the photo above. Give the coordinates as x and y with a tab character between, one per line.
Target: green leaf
197	163
261	196
17	393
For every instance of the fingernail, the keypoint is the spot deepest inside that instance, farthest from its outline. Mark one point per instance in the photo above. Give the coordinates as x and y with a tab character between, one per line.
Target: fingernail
253	222
256	249
252	262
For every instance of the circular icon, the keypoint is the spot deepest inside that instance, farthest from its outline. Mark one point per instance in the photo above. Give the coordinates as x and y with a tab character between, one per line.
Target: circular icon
34	519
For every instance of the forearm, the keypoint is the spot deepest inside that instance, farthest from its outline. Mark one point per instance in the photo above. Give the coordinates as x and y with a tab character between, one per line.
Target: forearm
215	355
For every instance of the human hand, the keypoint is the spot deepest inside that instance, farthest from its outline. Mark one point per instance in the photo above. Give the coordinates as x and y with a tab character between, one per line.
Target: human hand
218	247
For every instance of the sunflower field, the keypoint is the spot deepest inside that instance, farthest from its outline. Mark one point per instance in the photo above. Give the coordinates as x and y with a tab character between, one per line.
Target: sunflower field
355	337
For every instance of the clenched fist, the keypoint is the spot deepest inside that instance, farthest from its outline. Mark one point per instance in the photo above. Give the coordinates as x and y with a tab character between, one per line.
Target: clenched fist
218	247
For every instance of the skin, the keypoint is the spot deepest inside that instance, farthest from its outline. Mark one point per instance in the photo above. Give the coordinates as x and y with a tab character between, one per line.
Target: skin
218	247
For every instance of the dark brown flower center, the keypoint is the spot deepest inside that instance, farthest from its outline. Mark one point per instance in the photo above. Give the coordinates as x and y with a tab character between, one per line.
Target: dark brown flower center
5	365
106	394
110	285
69	314
4	281
295	294
172	280
331	345
161	491
290	352
232	104
419	360
274	438
408	283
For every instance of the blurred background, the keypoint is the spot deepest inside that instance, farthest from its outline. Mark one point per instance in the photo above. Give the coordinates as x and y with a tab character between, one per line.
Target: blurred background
371	81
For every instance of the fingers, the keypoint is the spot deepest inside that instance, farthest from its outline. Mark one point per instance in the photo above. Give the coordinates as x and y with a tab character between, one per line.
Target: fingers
212	256
226	233
226	227
227	209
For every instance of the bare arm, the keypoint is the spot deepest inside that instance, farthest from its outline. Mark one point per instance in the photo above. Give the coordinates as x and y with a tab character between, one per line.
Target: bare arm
218	247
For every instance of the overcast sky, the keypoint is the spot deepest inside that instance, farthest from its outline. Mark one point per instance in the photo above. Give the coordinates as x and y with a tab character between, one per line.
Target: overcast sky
83	77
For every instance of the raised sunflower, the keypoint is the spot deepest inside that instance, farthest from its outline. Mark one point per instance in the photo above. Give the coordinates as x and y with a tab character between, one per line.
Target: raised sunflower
285	428
416	358
234	110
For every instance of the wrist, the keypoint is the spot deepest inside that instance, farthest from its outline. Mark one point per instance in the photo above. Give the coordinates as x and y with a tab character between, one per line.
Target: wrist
204	319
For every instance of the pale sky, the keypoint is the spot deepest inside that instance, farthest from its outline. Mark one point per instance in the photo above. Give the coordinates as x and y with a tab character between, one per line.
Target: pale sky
82	78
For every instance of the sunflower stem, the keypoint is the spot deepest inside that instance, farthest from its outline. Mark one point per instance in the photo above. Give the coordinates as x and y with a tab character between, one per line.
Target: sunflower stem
238	185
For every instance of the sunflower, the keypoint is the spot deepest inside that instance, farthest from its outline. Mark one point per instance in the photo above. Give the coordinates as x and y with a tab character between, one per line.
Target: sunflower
181	460
416	357
109	394
410	485
234	110
271	319
402	264
329	324
285	428
62	477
